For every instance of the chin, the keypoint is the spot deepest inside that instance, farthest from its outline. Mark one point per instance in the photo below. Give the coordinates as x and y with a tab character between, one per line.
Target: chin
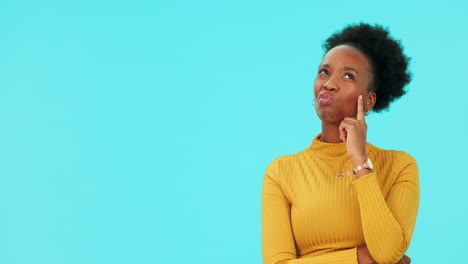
329	116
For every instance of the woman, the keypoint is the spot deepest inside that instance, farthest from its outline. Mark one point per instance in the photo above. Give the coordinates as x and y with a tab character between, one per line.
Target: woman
343	200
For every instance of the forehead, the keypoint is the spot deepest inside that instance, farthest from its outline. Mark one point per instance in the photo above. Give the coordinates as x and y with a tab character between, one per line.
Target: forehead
347	56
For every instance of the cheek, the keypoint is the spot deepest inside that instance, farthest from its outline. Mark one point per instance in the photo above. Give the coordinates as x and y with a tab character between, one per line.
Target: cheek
351	88
317	85
349	95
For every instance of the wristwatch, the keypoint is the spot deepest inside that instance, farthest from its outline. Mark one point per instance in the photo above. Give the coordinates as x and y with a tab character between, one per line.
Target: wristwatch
366	165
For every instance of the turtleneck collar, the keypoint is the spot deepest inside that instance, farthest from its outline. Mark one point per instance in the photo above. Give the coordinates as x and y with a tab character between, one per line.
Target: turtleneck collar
328	149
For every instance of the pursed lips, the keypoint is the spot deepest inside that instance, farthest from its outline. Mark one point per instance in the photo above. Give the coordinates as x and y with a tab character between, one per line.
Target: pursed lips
325	98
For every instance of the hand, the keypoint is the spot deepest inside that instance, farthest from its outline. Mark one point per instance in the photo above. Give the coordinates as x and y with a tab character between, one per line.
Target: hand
364	257
353	131
404	260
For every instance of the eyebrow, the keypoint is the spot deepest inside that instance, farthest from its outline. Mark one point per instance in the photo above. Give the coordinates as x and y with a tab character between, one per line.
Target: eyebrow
344	68
351	69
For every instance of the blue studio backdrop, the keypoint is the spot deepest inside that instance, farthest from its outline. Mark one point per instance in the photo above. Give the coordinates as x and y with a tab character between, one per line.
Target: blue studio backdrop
139	131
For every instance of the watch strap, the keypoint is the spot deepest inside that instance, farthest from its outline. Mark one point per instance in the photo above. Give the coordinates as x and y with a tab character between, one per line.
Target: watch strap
365	165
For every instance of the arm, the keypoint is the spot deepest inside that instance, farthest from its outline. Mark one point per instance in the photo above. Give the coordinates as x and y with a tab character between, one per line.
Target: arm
388	222
278	244
364	257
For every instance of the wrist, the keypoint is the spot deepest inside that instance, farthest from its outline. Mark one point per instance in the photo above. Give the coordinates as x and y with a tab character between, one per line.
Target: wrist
359	160
365	167
363	173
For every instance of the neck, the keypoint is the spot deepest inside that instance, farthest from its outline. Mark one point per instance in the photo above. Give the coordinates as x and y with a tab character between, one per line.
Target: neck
330	133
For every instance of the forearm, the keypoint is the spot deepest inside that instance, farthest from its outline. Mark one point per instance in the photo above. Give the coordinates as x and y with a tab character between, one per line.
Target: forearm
382	232
345	256
385	237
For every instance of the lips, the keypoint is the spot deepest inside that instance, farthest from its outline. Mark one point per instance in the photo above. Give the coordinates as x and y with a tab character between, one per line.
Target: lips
325	98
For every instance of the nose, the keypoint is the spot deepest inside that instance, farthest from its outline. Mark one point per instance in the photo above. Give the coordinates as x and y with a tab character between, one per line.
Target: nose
330	85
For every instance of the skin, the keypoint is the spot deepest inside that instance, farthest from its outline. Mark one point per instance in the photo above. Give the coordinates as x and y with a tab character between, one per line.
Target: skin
346	74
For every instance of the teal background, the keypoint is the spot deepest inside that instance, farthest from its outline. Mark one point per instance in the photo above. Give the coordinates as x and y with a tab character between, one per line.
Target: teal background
139	131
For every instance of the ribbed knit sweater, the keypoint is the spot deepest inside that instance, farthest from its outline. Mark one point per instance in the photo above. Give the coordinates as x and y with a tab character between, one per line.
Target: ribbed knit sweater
309	216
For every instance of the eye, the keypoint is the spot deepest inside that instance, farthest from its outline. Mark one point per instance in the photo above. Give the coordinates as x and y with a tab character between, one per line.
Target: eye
349	76
323	71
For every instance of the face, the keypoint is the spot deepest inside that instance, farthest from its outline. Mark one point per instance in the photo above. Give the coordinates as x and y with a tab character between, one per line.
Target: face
343	75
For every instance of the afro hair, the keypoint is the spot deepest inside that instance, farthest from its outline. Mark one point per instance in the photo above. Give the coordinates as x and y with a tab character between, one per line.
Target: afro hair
390	64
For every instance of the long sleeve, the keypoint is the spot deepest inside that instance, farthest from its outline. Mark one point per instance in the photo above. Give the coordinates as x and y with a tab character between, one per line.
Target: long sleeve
278	244
388	222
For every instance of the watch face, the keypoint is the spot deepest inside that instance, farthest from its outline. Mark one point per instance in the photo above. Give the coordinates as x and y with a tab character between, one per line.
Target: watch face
370	164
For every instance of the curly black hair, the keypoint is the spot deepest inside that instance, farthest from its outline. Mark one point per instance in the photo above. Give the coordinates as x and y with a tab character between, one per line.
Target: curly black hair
390	64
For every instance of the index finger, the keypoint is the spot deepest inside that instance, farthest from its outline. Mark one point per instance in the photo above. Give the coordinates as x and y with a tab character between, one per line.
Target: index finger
360	109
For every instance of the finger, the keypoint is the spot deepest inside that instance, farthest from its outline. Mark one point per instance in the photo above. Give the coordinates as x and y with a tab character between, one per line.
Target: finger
360	109
342	129
348	125
350	121
343	135
407	259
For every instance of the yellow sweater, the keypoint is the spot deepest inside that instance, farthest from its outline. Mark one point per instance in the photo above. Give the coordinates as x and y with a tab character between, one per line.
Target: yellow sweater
310	217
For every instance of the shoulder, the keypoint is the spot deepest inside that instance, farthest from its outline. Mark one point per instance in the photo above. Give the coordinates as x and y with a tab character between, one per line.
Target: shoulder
286	161
395	162
394	155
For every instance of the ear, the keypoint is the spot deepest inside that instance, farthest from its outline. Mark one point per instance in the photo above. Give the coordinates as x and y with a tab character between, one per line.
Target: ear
370	101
